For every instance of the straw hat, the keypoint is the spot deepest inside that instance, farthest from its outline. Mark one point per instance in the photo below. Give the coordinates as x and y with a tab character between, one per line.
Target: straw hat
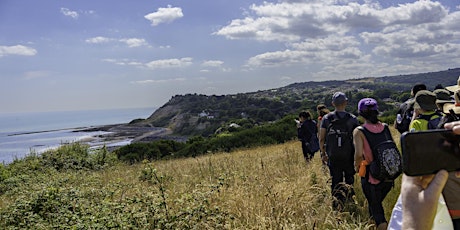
454	88
455	107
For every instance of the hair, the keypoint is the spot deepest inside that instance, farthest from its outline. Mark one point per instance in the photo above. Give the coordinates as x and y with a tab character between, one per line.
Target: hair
321	107
418	87
323	112
305	114
370	115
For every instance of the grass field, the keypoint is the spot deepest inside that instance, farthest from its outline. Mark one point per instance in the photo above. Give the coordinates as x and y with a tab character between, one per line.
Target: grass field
268	187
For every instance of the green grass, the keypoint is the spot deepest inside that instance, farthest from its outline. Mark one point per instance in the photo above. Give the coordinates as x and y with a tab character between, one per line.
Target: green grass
269	187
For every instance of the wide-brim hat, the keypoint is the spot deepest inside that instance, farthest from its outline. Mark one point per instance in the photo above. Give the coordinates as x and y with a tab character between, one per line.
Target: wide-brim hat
443	96
454	106
454	88
425	100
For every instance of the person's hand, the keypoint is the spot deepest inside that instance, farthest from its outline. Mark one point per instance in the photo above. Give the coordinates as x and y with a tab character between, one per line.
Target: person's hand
454	126
420	195
324	158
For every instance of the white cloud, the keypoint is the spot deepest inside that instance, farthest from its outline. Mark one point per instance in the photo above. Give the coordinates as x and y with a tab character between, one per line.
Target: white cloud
69	13
98	40
169	63
349	34
212	63
17	50
134	42
150	81
164	15
131	42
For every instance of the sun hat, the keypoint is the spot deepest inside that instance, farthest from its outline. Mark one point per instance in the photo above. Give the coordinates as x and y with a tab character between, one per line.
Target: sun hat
339	98
454	88
443	96
367	104
425	100
454	106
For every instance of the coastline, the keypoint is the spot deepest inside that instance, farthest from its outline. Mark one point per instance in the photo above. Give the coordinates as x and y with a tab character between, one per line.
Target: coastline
118	135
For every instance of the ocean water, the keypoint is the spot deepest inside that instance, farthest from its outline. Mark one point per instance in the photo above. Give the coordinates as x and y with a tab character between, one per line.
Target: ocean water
23	133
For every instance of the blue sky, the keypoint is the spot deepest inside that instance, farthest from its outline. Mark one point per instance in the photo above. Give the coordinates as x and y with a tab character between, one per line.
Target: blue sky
75	55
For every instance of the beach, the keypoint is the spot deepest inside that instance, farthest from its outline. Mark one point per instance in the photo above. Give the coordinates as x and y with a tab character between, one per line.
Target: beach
23	133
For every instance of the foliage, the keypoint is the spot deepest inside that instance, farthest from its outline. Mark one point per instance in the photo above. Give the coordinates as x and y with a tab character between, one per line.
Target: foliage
228	140
267	187
181	113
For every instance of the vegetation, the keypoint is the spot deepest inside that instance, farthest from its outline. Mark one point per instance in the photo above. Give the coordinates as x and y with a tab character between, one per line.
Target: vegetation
194	114
269	187
263	184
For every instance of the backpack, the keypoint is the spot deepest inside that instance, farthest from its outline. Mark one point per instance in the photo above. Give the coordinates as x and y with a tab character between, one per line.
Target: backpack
404	116
387	163
339	137
313	143
432	123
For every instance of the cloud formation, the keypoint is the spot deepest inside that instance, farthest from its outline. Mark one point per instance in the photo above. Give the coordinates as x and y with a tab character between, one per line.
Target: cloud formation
17	50
343	32
164	15
69	13
169	63
131	42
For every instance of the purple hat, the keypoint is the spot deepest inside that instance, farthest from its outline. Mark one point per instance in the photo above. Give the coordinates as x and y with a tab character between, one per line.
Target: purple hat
367	104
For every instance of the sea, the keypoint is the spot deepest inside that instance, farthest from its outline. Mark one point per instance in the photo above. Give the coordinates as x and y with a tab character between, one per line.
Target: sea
35	132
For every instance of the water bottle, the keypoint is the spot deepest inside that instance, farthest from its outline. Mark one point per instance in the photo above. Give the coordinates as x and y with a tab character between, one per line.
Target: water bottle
398	118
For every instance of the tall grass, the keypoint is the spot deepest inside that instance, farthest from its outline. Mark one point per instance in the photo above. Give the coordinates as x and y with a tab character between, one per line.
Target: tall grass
270	187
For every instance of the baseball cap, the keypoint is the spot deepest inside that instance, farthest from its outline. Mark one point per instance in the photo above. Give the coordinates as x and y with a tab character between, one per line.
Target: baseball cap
367	104
425	100
339	98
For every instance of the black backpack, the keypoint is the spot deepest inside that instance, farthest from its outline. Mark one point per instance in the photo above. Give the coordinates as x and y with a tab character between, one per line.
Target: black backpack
387	163
339	137
313	143
406	112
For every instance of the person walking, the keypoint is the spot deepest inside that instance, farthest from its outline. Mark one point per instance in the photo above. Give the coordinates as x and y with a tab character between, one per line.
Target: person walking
406	110
306	132
337	150
425	112
374	190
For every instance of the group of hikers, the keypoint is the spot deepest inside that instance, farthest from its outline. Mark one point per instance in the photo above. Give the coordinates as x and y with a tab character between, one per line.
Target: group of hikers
347	147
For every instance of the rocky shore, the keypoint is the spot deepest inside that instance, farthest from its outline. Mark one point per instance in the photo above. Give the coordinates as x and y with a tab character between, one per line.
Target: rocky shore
117	135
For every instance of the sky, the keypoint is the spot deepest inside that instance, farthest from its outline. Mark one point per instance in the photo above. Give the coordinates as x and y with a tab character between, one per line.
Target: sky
79	55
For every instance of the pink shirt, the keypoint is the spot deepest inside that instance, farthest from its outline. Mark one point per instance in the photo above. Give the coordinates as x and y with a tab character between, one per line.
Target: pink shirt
367	151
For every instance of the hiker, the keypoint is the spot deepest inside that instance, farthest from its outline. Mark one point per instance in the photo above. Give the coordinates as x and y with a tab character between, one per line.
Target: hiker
443	96
425	112
336	145
450	191
405	112
374	190
322	110
306	132
425	118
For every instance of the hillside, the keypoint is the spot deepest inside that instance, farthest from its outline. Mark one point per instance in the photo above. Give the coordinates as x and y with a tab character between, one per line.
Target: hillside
195	114
269	187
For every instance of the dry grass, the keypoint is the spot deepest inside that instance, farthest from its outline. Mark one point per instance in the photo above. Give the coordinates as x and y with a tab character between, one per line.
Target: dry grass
268	187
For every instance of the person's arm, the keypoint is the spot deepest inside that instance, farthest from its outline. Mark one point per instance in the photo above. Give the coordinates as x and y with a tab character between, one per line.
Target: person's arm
420	195
359	145
322	141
